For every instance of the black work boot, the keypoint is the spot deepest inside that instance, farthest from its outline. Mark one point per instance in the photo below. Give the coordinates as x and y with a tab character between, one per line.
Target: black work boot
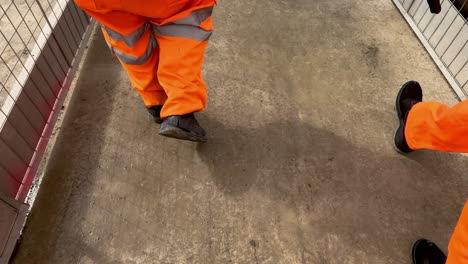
409	95
183	127
155	112
426	252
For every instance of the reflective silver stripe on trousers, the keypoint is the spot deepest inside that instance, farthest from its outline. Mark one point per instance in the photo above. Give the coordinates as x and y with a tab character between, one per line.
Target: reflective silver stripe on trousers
131	39
132	60
187	27
196	17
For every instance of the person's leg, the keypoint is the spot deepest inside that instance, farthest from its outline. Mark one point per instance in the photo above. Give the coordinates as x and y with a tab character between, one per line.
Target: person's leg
182	39
426	252
458	246
435	126
429	125
131	39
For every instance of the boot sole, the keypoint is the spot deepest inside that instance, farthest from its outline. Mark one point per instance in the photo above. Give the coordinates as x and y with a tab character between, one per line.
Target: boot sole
177	133
395	134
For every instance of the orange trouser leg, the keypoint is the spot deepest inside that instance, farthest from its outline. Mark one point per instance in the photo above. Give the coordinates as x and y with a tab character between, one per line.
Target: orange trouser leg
458	247
180	74
182	40
435	126
131	39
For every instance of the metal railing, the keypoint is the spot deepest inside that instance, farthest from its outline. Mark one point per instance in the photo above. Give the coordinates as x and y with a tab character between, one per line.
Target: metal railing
444	35
41	42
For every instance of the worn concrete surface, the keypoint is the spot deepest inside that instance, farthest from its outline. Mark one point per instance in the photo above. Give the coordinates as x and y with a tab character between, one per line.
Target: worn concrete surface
299	167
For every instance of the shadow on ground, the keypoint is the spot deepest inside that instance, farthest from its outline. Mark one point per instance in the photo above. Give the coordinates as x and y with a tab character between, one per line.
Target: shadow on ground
348	198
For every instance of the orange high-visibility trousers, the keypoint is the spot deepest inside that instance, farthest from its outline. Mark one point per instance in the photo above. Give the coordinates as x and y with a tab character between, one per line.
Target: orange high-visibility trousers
435	126
458	246
160	43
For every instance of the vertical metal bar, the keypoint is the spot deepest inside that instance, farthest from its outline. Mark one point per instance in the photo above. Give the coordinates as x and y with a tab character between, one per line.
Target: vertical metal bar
30	133
441	22
466	82
79	15
454	58
453	40
76	17
464	65
432	18
422	17
15	141
411	5
8	183
12	150
417	9
10	161
445	33
66	15
83	16
14	127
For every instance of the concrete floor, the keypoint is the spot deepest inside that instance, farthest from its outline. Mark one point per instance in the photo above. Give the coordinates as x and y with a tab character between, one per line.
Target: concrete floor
299	167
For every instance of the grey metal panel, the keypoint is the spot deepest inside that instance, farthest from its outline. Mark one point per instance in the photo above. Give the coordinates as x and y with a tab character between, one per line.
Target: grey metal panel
11	222
76	18
38	79
75	31
55	68
8	184
11	161
45	71
41	97
11	136
7	221
26	127
34	116
65	47
83	16
59	55
66	30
